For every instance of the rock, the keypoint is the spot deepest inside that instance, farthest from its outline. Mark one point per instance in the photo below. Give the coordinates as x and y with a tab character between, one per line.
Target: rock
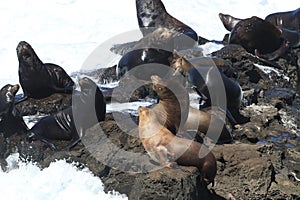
102	75
48	105
132	89
248	172
280	97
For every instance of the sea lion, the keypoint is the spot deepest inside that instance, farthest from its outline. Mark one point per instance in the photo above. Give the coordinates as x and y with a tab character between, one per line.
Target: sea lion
152	14
154	48
293	36
70	124
176	114
259	37
208	84
288	20
38	79
173	104
181	65
203	121
167	149
11	121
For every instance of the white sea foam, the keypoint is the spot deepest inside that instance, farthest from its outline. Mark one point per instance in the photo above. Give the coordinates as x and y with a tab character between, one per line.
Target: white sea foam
268	70
61	180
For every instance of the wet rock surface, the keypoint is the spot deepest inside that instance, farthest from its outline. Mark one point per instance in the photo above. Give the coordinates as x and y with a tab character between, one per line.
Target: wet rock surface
262	163
46	105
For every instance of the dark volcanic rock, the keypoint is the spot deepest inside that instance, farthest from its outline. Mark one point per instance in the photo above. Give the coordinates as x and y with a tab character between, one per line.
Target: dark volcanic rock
132	89
48	105
251	172
102	75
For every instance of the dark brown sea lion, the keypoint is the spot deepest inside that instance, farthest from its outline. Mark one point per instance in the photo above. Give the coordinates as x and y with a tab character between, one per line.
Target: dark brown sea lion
293	36
213	85
173	105
182	66
155	49
70	124
259	37
173	111
288	20
38	79
11	121
167	149
199	120
152	14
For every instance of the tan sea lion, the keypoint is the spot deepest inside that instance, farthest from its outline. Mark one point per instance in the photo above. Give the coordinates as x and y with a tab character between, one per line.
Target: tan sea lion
167	149
182	65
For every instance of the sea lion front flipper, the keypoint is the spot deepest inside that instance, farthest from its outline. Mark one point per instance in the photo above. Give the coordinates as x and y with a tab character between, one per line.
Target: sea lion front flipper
32	136
71	145
24	98
163	156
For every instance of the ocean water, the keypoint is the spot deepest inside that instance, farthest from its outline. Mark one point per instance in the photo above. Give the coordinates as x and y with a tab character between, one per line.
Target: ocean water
66	32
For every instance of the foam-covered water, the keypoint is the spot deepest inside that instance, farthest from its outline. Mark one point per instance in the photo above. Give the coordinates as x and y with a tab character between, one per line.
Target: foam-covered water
61	180
65	32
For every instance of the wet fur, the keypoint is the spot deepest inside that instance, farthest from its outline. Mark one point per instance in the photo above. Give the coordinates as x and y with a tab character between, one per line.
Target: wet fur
152	14
165	148
168	110
71	123
11	122
259	37
38	79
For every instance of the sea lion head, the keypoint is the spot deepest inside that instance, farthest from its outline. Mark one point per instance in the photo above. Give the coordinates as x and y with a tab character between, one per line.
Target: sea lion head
144	115
87	86
159	86
92	95
180	64
228	21
7	96
26	55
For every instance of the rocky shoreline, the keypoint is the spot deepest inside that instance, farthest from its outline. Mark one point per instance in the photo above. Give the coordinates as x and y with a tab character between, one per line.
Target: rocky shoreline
262	163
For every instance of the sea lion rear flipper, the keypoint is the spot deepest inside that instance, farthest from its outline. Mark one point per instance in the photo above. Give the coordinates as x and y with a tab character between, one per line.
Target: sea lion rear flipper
232	120
32	136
